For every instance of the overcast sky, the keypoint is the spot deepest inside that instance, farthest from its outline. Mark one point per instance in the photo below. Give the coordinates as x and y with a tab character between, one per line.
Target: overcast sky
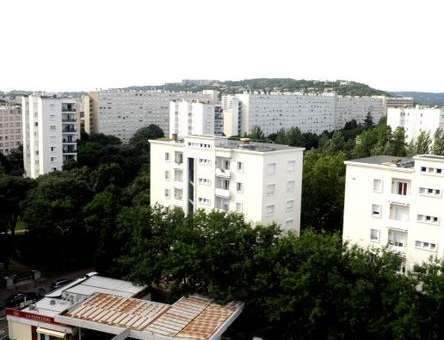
86	44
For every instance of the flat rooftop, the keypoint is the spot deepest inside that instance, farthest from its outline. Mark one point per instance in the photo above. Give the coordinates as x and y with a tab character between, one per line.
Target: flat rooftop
191	317
391	161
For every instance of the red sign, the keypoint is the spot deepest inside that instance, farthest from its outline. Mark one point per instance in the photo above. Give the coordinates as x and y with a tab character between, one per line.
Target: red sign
30	316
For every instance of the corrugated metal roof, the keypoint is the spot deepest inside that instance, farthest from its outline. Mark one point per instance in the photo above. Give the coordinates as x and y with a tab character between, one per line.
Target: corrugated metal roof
191	317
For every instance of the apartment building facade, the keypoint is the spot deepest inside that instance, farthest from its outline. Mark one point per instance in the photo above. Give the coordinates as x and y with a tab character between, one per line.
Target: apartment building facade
414	120
122	112
194	117
399	102
262	181
10	126
396	203
310	113
50	133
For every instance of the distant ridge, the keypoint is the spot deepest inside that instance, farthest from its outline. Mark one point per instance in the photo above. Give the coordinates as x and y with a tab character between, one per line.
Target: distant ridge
425	98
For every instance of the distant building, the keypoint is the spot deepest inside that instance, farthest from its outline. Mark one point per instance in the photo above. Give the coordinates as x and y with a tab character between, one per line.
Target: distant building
10	126
310	113
50	133
195	118
262	181
399	102
396	203
97	307
122	112
415	120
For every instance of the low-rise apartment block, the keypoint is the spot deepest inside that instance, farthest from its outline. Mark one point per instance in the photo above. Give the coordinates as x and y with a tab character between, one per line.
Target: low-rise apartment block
10	126
396	203
122	112
310	113
262	181
195	118
50	133
414	120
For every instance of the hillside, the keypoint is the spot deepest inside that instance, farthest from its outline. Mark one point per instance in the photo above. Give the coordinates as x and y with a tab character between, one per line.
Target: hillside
425	98
272	84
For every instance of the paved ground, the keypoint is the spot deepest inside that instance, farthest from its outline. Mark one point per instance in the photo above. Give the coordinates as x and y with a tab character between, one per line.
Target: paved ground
44	283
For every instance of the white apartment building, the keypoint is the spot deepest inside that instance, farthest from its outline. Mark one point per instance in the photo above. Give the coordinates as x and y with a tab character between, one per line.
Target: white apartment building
262	181
50	133
310	113
399	102
414	120
193	117
396	203
10	126
122	112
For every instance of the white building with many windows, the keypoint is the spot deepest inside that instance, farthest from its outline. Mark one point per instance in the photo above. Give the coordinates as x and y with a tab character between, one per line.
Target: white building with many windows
50	133
310	113
122	112
262	181
414	120
396	203
195	117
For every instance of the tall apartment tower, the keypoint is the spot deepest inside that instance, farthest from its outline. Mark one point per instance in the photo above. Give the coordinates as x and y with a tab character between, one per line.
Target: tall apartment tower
414	120
262	181
396	203
10	126
50	133
122	112
195	118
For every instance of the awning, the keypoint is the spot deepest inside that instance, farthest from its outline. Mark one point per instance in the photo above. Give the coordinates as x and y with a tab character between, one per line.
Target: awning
50	332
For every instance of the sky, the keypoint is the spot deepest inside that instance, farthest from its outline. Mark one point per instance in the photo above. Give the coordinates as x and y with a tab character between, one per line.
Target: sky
69	45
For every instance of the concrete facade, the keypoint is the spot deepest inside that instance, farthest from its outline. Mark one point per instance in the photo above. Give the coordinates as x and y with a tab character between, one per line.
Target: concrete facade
10	126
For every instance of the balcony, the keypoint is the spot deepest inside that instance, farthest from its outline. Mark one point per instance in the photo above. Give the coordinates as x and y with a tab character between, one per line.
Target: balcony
223	173
68	119
69	129
224	193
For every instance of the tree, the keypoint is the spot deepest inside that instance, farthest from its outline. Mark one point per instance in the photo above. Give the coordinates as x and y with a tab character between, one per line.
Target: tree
438	144
368	121
12	164
396	145
257	134
423	143
141	137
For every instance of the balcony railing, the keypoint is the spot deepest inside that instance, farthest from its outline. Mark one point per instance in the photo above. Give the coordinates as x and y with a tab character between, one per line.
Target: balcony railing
223	173
224	193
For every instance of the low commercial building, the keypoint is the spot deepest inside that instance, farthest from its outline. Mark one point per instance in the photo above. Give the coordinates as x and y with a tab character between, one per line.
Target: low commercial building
415	120
396	203
10	126
96	306
260	180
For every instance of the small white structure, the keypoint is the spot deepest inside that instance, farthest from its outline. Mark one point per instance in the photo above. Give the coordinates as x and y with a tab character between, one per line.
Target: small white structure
396	203
310	113
414	120
50	133
195	118
262	181
122	112
10	126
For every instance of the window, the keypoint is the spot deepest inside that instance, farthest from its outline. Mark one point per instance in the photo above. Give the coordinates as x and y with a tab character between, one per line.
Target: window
178	175
269	210
375	235
377	185
289	206
52	127
430	192
399	187
397	238
240	166
226	164
167	193
270	189
167	156
52	148
53	159
204	181
291	185
204	201
291	166
271	169
376	210
178	194
426	245
167	175
239	207
239	187
428	219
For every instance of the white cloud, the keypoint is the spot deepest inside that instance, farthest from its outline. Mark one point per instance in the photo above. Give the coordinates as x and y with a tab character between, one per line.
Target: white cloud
86	44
